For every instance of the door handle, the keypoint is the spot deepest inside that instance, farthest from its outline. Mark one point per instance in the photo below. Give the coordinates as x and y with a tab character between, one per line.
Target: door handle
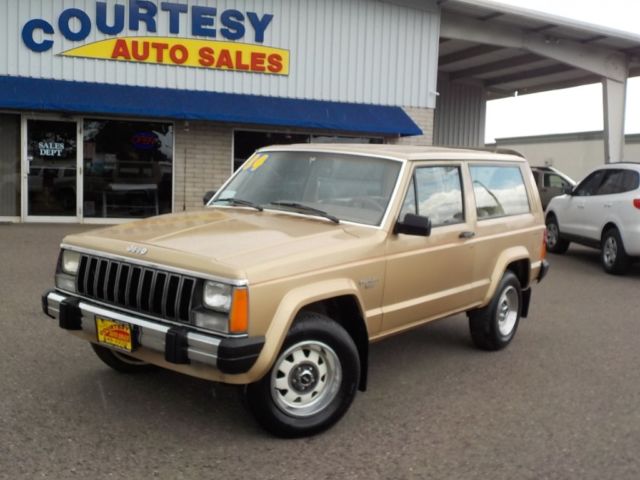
467	235
608	205
580	206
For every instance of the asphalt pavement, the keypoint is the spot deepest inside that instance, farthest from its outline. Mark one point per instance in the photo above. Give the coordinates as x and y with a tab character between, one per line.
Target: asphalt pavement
561	402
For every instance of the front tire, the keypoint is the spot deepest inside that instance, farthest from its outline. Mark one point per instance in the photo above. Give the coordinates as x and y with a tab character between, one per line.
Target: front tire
121	362
612	254
494	326
555	244
312	382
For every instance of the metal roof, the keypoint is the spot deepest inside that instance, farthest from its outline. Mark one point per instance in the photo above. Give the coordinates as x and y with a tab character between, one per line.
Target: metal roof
503	70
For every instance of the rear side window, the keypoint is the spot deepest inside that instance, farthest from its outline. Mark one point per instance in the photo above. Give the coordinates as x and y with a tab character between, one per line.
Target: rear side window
499	191
618	181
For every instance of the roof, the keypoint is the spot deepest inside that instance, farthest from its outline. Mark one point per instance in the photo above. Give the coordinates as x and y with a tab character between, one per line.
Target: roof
504	70
401	152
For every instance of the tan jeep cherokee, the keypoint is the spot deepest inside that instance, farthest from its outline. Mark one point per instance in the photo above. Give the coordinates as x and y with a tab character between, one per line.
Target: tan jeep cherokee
302	258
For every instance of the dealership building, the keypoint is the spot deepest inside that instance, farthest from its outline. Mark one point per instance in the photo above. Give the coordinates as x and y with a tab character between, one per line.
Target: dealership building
120	109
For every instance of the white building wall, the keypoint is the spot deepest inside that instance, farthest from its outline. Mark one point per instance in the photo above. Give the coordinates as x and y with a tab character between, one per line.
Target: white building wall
361	51
574	154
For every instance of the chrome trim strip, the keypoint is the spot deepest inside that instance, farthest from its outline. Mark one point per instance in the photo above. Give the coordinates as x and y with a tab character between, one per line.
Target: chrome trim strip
167	268
152	335
124	311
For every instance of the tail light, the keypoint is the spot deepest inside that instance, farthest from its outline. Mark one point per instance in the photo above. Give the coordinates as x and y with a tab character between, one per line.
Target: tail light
543	249
636	203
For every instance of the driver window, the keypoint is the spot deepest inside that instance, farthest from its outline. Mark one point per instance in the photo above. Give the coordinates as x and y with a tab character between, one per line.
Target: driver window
589	186
439	194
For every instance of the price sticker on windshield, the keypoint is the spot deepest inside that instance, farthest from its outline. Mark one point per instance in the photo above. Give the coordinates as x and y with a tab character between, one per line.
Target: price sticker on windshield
255	162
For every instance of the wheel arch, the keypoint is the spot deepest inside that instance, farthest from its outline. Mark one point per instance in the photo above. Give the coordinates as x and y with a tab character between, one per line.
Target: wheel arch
338	299
515	259
346	311
608	226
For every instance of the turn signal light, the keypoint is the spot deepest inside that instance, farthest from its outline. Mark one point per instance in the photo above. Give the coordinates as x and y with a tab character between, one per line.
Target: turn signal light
636	203
239	316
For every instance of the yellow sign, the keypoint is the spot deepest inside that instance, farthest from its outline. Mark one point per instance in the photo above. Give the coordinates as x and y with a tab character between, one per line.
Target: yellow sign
111	332
233	56
255	162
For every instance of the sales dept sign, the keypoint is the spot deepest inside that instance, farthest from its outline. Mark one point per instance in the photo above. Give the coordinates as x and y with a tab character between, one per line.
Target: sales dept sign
217	48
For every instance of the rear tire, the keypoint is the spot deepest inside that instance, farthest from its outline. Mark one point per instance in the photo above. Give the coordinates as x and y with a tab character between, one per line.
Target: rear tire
612	254
555	244
121	362
312	382
494	326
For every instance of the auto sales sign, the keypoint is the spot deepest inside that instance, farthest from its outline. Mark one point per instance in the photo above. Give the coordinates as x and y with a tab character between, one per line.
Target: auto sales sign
227	39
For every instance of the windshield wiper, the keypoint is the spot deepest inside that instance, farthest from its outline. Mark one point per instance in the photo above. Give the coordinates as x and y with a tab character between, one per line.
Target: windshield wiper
307	209
239	201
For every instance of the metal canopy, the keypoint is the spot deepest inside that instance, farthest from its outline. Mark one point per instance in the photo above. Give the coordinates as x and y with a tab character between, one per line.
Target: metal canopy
508	49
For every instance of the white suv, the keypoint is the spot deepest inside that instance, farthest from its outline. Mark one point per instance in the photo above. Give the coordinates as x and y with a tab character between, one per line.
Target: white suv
603	211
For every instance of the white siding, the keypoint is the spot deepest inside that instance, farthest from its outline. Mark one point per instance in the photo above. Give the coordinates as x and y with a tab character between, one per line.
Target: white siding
460	114
361	51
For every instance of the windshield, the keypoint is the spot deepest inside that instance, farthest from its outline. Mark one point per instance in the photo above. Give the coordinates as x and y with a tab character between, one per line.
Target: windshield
345	187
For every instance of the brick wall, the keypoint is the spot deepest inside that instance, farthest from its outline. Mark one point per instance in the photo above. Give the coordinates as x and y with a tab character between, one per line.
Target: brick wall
423	117
207	148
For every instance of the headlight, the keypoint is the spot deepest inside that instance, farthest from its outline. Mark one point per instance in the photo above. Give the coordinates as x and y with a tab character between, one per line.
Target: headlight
70	262
217	296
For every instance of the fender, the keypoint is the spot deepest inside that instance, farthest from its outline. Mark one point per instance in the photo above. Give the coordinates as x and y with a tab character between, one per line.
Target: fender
510	255
286	313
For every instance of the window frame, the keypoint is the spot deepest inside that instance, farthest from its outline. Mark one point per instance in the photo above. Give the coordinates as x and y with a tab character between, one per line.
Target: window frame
413	185
512	165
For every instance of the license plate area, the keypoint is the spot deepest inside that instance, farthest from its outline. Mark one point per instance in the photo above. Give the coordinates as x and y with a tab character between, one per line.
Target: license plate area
115	334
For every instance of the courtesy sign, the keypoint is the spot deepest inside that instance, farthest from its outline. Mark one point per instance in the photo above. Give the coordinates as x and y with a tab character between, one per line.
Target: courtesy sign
192	35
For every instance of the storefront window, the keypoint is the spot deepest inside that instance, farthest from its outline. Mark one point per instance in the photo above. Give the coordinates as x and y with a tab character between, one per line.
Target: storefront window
247	142
9	165
51	170
127	168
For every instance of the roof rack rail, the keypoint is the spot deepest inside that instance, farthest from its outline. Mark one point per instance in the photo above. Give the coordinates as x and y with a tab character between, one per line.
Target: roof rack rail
506	151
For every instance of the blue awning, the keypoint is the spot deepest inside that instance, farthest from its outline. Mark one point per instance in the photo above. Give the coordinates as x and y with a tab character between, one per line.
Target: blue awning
95	98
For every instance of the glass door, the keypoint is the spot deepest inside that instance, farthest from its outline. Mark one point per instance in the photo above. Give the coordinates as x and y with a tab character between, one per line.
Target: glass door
51	170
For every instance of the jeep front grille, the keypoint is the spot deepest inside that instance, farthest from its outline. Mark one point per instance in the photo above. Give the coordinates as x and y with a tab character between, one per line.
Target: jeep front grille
134	287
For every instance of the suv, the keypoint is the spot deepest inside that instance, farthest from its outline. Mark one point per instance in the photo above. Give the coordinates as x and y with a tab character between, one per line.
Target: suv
551	183
601	212
302	258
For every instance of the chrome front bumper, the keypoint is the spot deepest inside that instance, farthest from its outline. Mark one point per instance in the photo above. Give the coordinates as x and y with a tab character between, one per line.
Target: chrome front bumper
177	344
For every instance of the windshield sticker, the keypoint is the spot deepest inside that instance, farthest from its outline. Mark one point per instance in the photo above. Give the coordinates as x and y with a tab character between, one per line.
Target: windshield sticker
255	162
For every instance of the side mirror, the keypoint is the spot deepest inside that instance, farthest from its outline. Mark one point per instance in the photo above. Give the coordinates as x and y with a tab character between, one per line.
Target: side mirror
413	225
208	196
567	190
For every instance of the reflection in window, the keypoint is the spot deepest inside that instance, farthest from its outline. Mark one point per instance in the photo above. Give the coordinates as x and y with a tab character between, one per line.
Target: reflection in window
499	191
127	168
439	194
9	165
351	188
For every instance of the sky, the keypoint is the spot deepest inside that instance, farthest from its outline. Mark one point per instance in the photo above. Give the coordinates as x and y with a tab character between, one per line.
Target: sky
575	109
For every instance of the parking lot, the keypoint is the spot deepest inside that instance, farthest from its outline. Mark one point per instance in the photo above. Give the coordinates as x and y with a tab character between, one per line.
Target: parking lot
561	402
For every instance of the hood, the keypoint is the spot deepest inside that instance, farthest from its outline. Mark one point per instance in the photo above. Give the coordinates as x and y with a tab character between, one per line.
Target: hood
232	241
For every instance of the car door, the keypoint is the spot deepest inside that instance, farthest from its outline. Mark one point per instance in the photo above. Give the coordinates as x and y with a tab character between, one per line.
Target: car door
552	186
504	204
429	276
576	215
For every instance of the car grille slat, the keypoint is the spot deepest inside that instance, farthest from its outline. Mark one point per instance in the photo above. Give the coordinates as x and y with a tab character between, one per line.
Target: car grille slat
146	290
